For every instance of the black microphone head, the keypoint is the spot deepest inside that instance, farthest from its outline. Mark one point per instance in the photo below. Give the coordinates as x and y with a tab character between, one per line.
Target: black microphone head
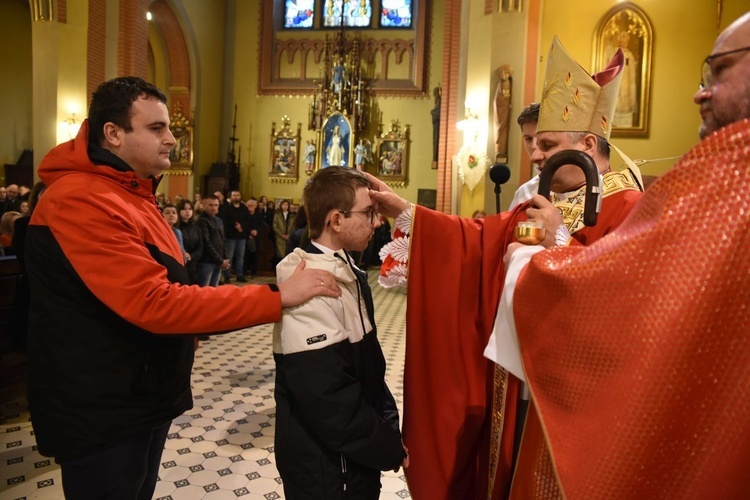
499	173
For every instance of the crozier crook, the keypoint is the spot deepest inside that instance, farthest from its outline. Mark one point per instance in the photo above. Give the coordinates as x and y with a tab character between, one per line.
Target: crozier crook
593	200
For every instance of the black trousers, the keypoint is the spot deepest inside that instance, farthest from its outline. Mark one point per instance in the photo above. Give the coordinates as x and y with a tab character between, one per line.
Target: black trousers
125	469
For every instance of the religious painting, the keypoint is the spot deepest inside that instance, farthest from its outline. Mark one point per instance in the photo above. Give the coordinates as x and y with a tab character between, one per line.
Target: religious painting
299	14
335	142
392	155
396	13
181	155
353	13
284	152
626	27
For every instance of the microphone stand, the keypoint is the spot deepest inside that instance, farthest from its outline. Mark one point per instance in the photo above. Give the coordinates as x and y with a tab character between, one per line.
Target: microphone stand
497	198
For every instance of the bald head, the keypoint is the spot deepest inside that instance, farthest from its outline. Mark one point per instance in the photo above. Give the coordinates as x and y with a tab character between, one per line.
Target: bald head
725	98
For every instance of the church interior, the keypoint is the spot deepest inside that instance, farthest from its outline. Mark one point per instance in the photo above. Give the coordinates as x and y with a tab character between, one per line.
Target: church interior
242	86
423	94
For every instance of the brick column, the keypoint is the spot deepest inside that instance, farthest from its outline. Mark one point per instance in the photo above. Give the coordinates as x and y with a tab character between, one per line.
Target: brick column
447	139
132	44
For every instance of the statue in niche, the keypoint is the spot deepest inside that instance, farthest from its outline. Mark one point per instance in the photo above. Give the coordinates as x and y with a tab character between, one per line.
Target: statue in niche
502	100
362	154
310	157
335	150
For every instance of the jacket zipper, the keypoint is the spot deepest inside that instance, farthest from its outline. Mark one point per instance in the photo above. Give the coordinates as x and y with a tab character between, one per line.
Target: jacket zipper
343	470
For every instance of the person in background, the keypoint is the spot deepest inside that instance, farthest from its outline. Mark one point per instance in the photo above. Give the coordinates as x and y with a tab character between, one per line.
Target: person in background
256	223
23	208
198	204
214	259
528	120
282	226
3	199
18	324
270	213
336	420
13	200
478	214
236	231
6	231
192	238
112	324
169	212
161	200
298	238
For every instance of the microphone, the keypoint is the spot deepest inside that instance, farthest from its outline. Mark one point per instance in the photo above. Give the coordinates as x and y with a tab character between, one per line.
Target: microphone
499	174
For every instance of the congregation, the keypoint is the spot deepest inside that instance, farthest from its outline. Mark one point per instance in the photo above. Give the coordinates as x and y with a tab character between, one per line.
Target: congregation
226	239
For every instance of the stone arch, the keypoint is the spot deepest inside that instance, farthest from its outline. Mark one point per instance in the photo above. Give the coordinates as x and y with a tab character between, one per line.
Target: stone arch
179	85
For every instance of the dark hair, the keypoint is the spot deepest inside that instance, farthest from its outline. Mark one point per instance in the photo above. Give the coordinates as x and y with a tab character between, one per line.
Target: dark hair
210	197
530	114
602	146
180	205
300	220
112	102
331	188
36	193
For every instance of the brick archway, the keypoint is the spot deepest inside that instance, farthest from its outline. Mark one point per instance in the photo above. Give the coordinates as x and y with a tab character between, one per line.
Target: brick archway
179	87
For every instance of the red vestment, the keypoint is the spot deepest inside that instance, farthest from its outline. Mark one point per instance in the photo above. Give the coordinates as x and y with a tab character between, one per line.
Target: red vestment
455	281
640	377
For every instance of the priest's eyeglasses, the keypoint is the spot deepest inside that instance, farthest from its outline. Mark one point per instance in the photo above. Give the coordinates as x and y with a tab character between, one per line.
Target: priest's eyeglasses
369	213
707	73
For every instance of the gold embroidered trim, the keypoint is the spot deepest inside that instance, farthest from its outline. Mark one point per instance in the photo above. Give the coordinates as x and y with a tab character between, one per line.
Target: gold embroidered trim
497	416
612	182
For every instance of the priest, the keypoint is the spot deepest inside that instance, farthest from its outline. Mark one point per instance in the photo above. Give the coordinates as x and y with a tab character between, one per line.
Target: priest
460	409
646	396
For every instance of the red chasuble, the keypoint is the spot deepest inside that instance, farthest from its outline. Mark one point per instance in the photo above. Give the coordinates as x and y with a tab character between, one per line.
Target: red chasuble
641	376
455	280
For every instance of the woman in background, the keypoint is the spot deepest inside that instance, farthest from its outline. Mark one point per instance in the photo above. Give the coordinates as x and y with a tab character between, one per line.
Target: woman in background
192	239
281	228
169	212
298	238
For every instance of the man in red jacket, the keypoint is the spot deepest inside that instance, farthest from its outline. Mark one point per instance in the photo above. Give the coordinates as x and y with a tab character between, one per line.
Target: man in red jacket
112	319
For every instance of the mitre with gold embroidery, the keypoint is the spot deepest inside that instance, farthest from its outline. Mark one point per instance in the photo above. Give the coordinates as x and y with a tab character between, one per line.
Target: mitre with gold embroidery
573	100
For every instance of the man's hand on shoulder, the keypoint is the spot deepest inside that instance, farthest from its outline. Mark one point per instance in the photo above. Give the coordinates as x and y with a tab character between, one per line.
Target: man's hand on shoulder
305	284
386	201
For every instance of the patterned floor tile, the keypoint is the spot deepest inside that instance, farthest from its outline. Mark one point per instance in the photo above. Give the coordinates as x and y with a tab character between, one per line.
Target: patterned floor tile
222	448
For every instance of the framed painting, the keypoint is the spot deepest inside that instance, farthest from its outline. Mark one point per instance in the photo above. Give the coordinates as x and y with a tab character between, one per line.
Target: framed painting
625	26
285	152
181	155
392	155
335	142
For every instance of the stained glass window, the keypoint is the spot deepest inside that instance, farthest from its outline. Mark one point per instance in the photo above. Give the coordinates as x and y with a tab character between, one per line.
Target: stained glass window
360	13
355	13
299	13
396	14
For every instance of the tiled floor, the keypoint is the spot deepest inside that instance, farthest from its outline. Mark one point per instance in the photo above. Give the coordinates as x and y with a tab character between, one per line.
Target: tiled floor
223	447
